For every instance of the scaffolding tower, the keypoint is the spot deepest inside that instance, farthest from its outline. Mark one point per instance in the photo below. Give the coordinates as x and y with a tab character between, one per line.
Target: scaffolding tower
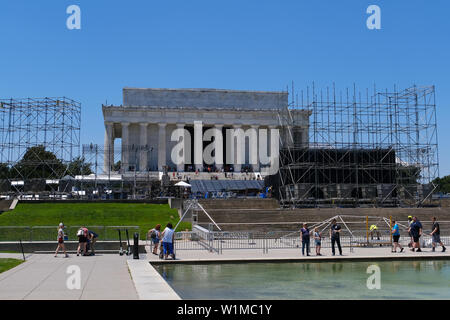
363	148
51	124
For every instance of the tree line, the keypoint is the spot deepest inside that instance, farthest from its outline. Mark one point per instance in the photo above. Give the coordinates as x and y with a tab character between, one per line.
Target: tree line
39	163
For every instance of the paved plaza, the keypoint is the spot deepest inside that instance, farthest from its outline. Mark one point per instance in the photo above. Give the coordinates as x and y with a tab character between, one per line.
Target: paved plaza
43	276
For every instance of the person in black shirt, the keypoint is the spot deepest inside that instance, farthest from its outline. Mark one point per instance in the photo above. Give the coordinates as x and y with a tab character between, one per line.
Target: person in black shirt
416	232
305	239
436	235
335	231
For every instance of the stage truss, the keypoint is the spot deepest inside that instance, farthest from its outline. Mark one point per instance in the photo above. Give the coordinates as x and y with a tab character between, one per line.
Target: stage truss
49	124
364	148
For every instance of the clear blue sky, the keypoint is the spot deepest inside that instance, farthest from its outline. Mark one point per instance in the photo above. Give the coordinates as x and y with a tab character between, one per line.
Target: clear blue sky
254	45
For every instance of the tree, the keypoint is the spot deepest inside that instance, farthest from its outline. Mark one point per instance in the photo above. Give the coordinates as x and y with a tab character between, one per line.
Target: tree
443	184
117	166
79	166
4	171
38	163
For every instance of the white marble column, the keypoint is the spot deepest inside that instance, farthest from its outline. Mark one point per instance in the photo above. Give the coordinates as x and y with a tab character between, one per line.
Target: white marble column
274	144
125	147
162	146
198	145
108	157
143	148
182	158
239	147
253	148
218	146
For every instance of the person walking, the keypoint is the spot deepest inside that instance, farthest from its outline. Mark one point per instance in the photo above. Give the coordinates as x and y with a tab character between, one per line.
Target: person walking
411	241
436	235
155	237
168	236
416	232
396	236
305	239
317	240
335	231
60	239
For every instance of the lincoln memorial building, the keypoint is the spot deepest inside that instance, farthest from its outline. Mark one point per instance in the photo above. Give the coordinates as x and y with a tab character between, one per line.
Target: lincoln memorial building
148	118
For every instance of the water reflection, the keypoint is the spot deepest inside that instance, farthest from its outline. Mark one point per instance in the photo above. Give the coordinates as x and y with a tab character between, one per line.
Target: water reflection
438	265
417	265
337	267
341	280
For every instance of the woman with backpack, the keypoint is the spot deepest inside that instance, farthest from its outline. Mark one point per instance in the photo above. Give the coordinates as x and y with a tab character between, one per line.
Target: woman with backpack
155	237
82	240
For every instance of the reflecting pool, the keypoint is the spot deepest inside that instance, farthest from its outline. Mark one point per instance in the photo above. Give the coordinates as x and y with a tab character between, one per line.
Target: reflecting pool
324	280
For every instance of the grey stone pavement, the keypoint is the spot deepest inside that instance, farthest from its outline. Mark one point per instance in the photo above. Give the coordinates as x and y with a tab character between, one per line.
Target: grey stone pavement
295	254
111	276
43	276
13	255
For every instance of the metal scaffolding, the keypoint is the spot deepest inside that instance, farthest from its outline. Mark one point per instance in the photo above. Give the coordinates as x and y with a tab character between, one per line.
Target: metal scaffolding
50	124
119	179
377	148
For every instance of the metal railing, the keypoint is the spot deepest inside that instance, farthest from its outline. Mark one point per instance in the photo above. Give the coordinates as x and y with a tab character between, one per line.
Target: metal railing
217	241
49	233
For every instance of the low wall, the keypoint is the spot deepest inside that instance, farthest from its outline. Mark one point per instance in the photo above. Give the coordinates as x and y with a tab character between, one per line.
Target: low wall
154	201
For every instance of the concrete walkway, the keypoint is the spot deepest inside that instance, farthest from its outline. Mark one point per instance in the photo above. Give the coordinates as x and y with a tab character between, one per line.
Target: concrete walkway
44	277
249	255
13	255
148	282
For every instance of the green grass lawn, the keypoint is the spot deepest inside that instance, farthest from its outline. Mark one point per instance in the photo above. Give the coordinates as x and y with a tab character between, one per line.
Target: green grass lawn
145	216
6	264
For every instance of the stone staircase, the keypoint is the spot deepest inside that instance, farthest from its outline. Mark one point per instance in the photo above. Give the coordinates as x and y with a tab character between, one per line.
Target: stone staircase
239	203
245	214
265	215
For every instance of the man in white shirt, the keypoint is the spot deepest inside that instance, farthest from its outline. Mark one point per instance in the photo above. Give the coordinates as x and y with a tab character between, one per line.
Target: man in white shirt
167	239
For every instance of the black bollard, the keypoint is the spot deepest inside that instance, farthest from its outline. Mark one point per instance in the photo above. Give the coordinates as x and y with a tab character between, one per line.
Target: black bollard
136	246
21	248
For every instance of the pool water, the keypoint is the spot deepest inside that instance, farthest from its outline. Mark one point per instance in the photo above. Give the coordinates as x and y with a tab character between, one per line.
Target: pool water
325	280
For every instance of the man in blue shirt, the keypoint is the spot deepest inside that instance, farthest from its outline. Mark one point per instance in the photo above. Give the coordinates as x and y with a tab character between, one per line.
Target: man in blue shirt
416	231
305	239
396	236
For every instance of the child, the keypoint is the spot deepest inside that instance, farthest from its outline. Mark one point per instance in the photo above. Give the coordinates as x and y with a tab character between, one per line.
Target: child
60	239
317	239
